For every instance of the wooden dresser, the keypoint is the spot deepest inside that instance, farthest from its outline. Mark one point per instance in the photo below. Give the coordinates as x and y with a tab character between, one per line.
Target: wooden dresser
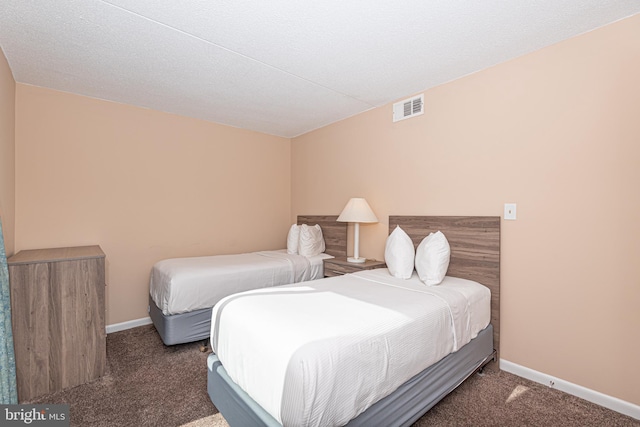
58	317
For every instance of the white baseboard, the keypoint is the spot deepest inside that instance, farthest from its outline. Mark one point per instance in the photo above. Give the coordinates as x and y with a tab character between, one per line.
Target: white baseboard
128	325
596	397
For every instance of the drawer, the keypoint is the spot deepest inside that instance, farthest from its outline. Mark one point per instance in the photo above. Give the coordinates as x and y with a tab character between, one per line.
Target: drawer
331	269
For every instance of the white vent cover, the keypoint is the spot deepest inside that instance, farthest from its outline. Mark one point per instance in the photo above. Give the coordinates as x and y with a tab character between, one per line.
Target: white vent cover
408	108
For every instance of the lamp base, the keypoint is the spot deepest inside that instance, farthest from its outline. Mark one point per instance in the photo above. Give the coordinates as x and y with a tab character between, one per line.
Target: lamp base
356	260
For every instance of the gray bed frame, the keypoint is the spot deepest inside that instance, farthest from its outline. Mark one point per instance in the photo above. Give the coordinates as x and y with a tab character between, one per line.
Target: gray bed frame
196	325
475	255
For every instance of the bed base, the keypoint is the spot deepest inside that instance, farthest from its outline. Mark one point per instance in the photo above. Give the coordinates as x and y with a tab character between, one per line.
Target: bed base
181	328
401	408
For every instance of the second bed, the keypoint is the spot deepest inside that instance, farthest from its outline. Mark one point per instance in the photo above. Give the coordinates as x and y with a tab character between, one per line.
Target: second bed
183	290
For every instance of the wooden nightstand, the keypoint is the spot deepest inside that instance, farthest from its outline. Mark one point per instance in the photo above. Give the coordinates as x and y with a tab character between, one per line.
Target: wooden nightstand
340	266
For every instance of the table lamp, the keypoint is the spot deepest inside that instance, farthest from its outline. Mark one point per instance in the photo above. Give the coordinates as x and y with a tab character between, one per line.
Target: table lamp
357	211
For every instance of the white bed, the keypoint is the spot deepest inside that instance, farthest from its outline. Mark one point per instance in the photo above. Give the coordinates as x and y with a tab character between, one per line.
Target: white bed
182	291
180	285
361	349
355	339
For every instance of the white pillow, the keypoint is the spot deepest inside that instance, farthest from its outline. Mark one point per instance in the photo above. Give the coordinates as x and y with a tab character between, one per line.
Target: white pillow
292	239
399	254
311	241
432	258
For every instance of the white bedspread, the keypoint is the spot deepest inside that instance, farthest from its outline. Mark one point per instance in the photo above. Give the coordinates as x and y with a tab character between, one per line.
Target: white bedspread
180	285
320	353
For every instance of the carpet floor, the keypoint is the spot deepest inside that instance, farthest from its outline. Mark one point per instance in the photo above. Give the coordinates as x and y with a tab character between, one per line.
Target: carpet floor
149	384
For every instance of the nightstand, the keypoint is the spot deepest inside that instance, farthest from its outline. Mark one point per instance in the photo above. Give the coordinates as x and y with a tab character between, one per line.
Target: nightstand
339	266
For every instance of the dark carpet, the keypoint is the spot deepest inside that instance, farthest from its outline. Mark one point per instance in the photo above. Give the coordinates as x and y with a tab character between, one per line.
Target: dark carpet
150	384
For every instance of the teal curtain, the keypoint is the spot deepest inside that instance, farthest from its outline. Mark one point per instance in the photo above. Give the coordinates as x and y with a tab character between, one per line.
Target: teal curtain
8	390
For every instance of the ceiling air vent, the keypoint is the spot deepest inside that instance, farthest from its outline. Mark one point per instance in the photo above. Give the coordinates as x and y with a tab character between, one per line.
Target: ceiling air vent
408	108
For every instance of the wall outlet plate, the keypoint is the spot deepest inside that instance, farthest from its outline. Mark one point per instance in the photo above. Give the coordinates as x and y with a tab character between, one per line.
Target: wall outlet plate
510	211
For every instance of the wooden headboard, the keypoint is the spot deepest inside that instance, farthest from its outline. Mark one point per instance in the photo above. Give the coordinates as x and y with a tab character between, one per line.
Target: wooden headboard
475	250
334	233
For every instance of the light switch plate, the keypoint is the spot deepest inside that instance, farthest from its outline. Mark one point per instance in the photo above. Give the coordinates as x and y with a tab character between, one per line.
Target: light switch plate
510	211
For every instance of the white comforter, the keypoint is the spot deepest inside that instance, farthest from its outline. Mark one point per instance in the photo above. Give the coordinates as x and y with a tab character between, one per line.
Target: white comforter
320	353
180	285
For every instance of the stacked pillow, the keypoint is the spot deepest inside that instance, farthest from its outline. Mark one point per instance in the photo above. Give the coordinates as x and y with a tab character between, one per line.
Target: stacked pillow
399	254
431	259
292	239
305	240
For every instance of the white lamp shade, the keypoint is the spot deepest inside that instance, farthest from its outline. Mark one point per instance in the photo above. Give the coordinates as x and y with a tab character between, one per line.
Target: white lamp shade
357	210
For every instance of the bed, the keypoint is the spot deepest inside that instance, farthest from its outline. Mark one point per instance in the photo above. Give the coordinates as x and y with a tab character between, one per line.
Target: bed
182	291
407	372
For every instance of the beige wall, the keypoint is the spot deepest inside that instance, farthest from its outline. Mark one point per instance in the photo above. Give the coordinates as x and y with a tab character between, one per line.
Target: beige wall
557	132
7	156
144	185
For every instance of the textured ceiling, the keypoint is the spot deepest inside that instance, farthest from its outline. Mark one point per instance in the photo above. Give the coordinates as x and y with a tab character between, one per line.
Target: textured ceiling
278	67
